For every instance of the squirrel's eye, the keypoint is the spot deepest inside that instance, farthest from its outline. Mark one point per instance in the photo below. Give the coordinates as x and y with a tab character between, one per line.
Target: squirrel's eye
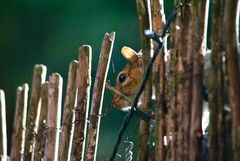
122	77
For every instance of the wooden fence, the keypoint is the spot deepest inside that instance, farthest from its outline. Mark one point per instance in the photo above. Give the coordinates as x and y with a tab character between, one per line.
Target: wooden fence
179	76
37	125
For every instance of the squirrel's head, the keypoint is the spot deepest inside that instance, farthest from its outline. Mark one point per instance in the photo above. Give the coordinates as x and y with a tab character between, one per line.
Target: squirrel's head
129	78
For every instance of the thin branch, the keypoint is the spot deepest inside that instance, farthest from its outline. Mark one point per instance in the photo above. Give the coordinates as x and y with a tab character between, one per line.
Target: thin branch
117	92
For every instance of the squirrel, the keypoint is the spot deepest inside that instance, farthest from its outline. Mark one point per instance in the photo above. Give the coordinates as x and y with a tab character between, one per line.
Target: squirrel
129	78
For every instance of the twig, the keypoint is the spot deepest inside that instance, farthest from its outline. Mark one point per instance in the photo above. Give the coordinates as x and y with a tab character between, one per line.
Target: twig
117	92
140	112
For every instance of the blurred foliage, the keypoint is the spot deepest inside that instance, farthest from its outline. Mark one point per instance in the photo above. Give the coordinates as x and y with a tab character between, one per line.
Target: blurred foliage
50	33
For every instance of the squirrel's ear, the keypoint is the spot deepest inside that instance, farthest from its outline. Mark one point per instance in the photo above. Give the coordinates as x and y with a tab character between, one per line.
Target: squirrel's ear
129	54
140	53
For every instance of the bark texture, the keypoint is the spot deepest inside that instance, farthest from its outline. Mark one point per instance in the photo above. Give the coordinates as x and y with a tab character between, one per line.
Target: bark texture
233	72
83	97
143	11
98	92
68	115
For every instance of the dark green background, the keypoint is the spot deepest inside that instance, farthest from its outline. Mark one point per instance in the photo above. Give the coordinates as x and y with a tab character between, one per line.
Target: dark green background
50	32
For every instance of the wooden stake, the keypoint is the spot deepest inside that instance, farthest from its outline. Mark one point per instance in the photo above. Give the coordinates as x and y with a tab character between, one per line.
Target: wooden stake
3	133
83	96
143	10
231	10
98	92
159	76
42	129
216	135
33	110
171	95
184	86
68	115
19	126
198	48
54	117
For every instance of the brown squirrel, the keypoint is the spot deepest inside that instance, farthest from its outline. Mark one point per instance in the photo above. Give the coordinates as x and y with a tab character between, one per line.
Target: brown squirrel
129	78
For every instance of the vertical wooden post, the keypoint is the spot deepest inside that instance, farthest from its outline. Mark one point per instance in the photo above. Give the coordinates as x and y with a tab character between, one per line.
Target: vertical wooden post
184	71
19	126
54	117
42	128
216	85
233	72
3	133
171	95
33	110
68	114
98	92
143	11
83	97
199	21
158	21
